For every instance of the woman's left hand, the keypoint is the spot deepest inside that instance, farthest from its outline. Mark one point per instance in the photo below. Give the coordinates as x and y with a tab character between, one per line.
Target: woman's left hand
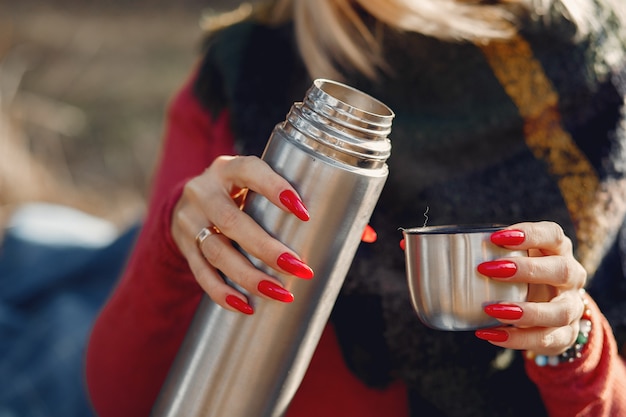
548	322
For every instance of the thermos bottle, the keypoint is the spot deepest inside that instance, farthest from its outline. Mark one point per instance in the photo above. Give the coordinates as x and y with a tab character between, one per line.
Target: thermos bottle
333	148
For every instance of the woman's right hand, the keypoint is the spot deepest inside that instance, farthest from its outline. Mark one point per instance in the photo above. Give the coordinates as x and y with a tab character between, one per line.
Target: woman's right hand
213	201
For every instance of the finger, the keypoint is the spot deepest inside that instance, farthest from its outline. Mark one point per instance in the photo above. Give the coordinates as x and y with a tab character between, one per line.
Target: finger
548	237
215	287
254	173
219	253
254	240
557	271
369	235
562	310
541	340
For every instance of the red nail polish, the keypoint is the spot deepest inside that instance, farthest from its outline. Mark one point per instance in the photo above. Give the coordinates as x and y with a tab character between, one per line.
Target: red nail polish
369	235
275	291
294	204
238	304
498	269
492	335
508	237
403	244
504	311
294	266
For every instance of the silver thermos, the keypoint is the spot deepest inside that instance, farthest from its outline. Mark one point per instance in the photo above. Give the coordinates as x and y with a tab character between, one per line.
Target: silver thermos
333	148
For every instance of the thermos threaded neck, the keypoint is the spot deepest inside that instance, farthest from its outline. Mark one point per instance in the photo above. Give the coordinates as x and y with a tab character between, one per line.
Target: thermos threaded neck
342	123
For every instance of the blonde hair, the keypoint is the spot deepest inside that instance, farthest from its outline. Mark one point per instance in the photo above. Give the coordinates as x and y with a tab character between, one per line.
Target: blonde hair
333	31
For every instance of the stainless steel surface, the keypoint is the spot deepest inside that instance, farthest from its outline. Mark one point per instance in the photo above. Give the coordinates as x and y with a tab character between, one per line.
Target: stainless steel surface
332	148
447	291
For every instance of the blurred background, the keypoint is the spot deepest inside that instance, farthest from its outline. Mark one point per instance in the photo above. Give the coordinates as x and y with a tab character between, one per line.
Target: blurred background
84	86
83	89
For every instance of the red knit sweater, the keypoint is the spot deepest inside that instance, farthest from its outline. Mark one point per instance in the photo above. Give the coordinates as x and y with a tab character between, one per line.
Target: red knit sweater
137	334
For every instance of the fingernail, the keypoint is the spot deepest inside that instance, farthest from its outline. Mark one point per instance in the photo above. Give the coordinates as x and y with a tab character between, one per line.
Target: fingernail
275	291
294	204
504	311
498	269
294	266
492	335
403	244
509	237
238	304
369	235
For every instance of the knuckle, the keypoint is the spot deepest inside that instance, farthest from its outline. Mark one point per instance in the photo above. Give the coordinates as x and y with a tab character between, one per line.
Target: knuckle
190	188
571	274
559	235
209	283
546	340
567	245
227	218
248	279
581	274
213	252
246	161
219	165
178	217
574	329
562	240
220	161
206	279
563	274
264	246
567	315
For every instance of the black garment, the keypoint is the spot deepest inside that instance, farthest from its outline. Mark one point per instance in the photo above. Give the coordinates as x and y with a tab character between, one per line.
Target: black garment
460	151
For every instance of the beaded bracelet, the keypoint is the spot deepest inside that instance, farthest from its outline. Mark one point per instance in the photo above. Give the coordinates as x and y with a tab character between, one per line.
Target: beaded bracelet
573	352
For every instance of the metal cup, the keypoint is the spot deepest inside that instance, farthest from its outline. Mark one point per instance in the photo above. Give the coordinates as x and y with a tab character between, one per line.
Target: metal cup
447	291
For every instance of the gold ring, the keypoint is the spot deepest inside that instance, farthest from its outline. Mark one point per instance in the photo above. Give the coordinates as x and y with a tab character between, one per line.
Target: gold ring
204	233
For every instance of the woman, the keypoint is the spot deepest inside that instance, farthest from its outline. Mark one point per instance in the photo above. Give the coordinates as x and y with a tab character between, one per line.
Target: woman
506	112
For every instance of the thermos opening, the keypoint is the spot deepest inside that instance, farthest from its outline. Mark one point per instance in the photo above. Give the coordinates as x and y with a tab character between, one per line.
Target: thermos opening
354	98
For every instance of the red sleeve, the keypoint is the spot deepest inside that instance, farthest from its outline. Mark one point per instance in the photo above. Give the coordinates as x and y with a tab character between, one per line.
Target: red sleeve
138	332
594	385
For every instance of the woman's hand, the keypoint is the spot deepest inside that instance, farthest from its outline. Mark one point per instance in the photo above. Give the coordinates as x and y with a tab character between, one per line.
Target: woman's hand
548	322
208	219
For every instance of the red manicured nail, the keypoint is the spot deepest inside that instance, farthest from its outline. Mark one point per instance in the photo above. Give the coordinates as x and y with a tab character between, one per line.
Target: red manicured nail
369	235
238	304
275	291
508	237
403	244
498	269
504	311
294	204
294	266
492	335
